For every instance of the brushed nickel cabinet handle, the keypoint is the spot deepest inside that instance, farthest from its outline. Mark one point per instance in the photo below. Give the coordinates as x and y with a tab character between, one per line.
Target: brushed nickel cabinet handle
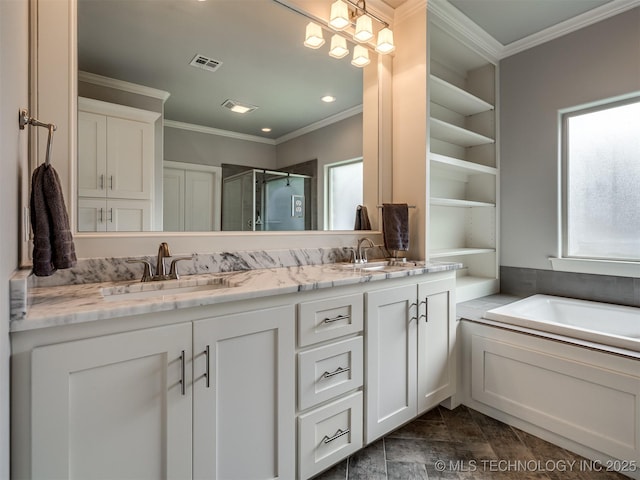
339	433
337	371
182	371
337	318
206	371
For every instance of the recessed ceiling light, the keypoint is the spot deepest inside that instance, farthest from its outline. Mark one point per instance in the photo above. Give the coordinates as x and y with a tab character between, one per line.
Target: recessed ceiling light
328	98
239	107
266	129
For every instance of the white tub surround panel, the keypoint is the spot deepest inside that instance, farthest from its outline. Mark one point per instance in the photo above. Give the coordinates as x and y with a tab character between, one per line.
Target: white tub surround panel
580	395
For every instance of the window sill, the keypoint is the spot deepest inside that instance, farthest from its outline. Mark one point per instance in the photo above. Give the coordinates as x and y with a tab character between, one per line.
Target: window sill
597	267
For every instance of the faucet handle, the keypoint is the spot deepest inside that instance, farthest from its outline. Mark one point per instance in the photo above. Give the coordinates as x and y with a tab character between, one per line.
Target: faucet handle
146	273
173	269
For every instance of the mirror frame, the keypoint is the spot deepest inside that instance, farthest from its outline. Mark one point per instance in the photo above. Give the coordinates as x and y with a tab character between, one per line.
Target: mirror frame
53	33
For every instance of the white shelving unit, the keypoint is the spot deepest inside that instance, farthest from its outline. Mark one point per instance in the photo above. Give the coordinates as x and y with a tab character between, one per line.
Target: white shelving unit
463	162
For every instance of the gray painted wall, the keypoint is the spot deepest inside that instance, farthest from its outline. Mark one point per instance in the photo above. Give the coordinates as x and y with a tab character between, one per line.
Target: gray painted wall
14	81
594	63
208	149
337	142
334	143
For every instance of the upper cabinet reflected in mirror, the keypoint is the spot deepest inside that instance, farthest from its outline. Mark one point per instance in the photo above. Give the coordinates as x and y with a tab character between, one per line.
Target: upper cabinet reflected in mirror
159	146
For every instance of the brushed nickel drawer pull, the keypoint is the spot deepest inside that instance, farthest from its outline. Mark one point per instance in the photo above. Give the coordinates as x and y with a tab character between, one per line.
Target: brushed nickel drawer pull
335	319
338	434
337	371
206	372
182	371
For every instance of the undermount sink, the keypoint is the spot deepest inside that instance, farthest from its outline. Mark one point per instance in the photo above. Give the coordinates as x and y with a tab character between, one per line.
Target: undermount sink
379	265
145	290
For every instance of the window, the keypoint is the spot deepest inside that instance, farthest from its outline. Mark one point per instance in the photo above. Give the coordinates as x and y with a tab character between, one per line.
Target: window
601	178
344	194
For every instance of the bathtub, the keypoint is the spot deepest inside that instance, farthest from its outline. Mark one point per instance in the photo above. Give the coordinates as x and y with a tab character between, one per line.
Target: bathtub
565	370
601	323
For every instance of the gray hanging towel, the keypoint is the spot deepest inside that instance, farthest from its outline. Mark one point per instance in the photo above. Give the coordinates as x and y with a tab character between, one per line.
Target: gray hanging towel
395	226
362	219
53	246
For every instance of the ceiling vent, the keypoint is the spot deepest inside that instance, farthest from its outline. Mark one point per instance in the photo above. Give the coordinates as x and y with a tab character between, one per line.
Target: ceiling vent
205	63
238	107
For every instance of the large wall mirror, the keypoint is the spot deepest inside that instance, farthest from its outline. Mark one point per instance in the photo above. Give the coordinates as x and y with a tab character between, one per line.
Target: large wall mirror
161	146
58	88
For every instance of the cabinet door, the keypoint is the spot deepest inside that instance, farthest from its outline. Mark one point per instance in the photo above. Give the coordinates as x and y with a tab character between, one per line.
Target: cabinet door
113	406
199	201
128	215
436	343
92	215
130	156
244	409
173	200
391	327
92	154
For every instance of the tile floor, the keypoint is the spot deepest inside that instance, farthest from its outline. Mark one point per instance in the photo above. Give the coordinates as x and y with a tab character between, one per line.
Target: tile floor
463	444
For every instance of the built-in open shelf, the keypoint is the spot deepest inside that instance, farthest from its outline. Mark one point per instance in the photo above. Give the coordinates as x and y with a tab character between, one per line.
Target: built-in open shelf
456	202
461	166
454	252
448	132
454	98
469	287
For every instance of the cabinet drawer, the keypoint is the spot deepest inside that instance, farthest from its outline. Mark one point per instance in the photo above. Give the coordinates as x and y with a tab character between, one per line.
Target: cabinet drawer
330	318
328	371
329	434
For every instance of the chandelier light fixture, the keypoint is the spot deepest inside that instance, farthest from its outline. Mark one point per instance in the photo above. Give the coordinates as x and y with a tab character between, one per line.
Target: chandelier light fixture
345	14
338	47
339	19
360	56
385	41
313	36
364	29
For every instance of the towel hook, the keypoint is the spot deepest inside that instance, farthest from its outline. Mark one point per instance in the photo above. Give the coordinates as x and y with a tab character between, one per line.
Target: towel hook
24	119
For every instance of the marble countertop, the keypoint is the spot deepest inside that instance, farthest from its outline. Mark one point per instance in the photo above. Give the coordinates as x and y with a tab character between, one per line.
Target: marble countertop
62	305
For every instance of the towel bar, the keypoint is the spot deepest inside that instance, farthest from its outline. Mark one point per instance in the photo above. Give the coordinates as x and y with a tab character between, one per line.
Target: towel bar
408	206
24	119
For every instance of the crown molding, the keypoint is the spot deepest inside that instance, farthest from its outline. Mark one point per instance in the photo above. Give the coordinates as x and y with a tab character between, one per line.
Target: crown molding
462	26
493	50
216	131
408	9
254	138
122	85
320	124
584	20
382	10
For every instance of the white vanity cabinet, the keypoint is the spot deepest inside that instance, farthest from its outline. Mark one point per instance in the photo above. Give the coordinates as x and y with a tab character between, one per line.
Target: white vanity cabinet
330	379
115	165
207	398
283	386
112	406
244	396
410	352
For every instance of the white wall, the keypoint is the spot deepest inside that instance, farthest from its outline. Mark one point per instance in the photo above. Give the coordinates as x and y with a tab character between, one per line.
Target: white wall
594	63
14	41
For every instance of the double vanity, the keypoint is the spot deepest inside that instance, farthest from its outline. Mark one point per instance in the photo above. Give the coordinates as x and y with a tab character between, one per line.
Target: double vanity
275	372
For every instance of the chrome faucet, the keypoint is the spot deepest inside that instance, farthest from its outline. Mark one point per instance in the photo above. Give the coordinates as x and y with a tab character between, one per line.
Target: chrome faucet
361	253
